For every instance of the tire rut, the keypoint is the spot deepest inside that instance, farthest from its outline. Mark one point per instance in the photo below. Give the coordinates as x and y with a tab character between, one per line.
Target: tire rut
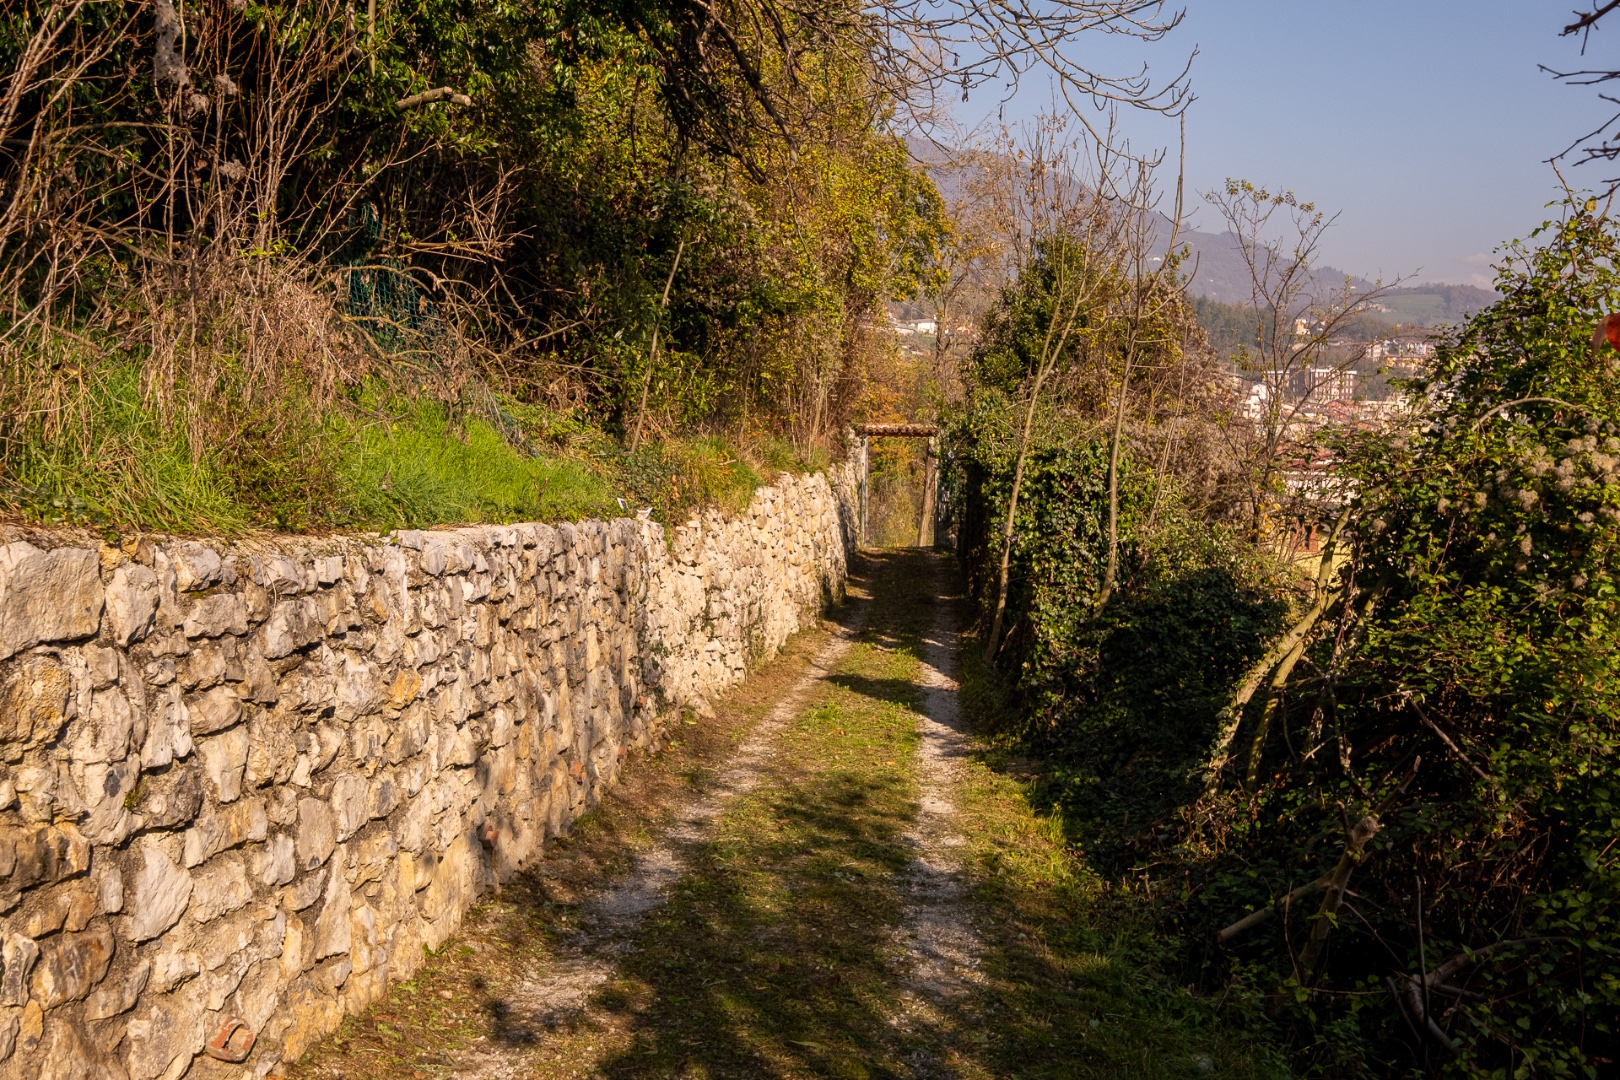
943	949
591	958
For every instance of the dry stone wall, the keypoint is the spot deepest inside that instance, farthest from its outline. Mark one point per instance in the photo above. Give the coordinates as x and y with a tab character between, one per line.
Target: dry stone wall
243	789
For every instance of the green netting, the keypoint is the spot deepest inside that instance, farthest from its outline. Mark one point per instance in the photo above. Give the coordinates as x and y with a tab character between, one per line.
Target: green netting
383	297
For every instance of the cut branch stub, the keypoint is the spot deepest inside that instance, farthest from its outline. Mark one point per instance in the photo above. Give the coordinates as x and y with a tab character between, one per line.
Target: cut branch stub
428	97
1355	845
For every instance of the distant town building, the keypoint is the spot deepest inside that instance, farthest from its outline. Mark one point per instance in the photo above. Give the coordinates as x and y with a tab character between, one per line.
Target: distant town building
1400	353
1322	384
1253	397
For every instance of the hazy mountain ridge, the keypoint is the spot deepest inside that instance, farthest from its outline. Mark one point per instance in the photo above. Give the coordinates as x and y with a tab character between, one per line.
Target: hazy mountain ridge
1219	272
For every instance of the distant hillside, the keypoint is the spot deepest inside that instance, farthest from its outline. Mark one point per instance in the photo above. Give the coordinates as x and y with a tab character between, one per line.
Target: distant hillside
1421	307
1220	274
1434	304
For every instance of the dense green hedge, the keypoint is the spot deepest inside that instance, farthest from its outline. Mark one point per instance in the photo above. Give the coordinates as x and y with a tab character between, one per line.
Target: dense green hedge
1463	688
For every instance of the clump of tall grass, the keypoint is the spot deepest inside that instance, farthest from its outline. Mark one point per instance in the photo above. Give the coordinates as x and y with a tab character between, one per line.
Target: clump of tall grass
412	463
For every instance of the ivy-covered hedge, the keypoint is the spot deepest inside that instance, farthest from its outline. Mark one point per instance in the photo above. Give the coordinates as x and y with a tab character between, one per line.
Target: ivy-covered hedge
1122	702
1460	693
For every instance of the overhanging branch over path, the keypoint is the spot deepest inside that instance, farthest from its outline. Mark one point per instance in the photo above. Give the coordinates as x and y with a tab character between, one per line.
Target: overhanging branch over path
906	431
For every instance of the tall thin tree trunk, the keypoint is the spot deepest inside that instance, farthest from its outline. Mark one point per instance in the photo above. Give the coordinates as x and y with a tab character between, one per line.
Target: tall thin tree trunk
1111	567
652	355
1144	290
994	639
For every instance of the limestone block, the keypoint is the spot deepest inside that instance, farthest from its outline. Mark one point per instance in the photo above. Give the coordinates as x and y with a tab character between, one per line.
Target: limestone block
195	567
219	888
70	965
293	625
225	827
412	775
329	569
118	994
162	1036
224	757
214	710
422	650
349	805
321	746
462	747
34	703
47	595
165	644
41	854
101	665
502	726
382	796
10	1021
332	933
374	857
364	953
68	1051
501	765
296	948
390	642
104	734
18	955
304	891
171	798
317	833
276	862
282	805
159	672
408	735
260	680
174	966
449	892
359	687
435	556
279	575
412	826
30	1032
211	616
110	888
231	937
310	1014
272	748
68	907
337	611
162	891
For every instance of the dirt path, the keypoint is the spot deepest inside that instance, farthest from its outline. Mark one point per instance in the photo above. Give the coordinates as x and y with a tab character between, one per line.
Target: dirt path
831	878
563	987
943	946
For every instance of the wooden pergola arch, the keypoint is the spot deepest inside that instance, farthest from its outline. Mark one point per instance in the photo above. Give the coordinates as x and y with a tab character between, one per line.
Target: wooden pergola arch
868	432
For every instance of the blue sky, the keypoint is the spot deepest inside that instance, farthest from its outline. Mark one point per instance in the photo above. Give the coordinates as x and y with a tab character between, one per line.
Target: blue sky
1425	123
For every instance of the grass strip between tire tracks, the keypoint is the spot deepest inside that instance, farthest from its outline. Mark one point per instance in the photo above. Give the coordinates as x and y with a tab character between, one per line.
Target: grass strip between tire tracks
780	952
